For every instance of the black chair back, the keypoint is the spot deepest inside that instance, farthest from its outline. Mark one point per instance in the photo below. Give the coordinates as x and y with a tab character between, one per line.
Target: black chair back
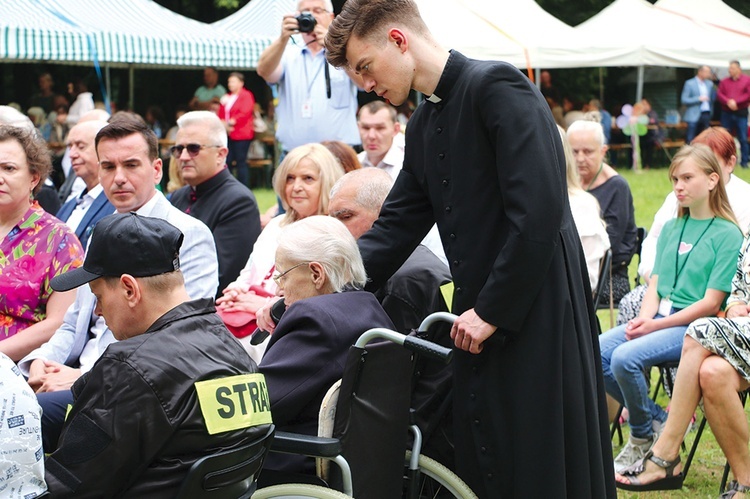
604	273
230	474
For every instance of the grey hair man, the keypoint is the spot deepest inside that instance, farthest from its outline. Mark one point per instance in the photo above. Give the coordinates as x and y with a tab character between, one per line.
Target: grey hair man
212	194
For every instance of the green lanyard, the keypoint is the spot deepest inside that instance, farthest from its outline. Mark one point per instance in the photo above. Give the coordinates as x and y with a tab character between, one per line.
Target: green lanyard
601	167
678	271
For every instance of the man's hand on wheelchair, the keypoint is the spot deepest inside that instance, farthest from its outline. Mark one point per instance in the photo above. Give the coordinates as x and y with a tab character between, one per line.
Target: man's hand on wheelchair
469	332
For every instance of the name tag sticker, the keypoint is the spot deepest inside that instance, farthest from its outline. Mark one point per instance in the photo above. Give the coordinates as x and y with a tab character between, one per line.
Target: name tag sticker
234	403
665	307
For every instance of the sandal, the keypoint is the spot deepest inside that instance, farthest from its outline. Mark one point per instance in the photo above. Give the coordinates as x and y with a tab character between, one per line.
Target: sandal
669	482
733	488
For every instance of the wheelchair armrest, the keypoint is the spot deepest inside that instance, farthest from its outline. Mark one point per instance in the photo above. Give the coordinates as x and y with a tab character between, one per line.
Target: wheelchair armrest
308	445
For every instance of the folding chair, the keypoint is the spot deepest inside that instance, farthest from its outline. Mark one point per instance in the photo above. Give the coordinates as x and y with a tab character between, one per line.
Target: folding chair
725	475
604	268
640	236
230	474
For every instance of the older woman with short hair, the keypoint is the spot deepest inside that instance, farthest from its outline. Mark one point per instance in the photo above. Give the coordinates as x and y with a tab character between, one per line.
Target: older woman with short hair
34	247
320	275
303	182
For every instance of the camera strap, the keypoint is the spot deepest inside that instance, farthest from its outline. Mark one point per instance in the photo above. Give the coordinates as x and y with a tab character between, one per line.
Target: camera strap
328	78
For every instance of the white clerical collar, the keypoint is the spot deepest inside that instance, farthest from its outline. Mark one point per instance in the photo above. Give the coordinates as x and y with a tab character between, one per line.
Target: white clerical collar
434	98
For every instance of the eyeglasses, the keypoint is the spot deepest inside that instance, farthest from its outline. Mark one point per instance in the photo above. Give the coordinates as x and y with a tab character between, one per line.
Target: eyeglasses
192	149
277	278
318	10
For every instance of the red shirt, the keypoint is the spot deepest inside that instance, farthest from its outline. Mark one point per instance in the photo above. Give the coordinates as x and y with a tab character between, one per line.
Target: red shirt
738	89
242	113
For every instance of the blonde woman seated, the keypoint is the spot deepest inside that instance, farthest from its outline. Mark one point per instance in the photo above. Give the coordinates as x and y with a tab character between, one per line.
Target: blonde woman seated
302	181
715	365
585	209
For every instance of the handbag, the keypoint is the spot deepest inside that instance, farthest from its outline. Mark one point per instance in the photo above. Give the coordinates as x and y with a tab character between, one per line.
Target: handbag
239	322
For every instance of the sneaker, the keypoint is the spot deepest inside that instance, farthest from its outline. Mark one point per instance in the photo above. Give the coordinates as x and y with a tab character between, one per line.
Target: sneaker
634	450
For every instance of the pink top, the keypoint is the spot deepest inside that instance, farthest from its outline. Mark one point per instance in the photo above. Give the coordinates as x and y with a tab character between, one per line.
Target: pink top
39	248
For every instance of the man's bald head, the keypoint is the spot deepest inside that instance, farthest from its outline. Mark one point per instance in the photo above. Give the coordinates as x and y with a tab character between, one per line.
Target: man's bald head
356	198
95	115
83	157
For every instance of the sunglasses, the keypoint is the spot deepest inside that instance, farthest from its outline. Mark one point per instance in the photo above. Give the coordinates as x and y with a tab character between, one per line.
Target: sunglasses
192	149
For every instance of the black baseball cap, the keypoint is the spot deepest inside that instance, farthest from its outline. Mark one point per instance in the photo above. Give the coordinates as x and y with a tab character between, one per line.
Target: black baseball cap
126	243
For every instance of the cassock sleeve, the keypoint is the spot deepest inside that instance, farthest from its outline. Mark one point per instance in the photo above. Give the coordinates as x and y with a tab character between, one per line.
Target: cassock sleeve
531	171
405	219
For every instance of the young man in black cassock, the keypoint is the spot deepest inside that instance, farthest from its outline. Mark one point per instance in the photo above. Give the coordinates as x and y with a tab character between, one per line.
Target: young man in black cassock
484	161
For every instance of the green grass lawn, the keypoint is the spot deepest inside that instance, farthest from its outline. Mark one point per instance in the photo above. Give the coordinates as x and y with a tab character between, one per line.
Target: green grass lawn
649	189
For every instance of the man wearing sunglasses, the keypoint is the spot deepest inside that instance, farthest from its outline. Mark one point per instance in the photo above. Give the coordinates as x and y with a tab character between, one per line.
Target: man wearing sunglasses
212	194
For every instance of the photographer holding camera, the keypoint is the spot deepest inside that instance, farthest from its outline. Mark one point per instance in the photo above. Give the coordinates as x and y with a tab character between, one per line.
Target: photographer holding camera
316	101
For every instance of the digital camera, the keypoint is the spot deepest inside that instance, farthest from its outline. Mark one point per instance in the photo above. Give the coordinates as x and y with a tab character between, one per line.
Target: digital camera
306	22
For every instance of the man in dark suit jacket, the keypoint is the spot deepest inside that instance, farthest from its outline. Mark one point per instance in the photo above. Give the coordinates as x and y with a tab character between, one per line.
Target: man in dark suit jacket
84	211
213	195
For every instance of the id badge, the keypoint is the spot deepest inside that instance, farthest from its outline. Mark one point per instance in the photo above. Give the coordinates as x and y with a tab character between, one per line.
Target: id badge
307	109
665	307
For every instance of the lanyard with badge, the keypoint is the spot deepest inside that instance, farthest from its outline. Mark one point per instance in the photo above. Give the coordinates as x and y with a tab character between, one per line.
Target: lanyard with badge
665	305
307	104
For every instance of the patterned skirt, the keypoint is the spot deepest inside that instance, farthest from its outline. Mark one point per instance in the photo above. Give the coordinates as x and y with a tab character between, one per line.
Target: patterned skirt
727	338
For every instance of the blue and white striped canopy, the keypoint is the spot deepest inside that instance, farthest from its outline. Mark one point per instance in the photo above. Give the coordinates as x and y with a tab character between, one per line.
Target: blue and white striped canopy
132	32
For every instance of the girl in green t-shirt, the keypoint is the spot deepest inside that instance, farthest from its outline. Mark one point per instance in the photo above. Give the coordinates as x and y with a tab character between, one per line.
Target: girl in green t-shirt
695	260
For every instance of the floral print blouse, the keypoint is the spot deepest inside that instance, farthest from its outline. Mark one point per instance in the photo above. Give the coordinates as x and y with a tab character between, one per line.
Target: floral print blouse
37	249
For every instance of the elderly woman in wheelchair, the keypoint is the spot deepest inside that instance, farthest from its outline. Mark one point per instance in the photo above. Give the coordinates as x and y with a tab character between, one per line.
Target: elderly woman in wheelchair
320	276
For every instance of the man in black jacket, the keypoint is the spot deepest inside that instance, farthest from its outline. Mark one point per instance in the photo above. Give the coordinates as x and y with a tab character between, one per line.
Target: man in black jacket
213	195
175	387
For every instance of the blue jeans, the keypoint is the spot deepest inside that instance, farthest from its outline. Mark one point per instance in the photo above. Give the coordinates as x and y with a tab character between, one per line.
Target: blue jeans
238	154
696	127
732	122
624	363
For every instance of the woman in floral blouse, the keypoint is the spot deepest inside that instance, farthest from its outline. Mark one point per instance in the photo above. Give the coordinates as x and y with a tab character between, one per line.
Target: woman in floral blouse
34	247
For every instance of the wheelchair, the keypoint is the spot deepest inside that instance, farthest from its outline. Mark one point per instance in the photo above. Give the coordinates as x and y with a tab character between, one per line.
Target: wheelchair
371	423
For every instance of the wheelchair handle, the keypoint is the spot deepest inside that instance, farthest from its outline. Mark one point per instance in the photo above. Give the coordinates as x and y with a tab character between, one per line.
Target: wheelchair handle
436	317
412	343
428	348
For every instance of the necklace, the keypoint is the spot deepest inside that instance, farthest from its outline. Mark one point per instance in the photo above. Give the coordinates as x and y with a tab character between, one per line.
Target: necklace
601	167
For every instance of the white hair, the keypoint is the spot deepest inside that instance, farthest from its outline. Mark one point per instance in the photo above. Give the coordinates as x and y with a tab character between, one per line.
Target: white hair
10	116
328	4
588	126
327	241
210	124
373	186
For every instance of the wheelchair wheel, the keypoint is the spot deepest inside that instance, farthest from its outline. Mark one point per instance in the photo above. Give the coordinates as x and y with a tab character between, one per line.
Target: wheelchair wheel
298	491
437	481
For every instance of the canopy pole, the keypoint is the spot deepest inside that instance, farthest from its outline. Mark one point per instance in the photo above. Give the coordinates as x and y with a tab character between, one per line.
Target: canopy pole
538	81
131	89
639	85
108	82
601	84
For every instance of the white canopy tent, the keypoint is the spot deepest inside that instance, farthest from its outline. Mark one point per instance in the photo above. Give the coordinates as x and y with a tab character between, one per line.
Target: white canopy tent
713	12
29	33
662	38
110	33
258	18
